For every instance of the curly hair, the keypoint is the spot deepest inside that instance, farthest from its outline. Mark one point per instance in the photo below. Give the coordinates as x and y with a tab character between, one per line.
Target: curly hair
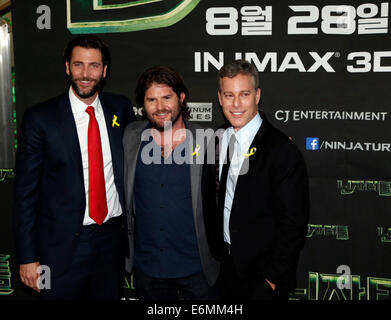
163	75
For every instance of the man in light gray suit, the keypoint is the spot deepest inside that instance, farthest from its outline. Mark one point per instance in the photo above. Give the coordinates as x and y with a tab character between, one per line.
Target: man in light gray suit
169	251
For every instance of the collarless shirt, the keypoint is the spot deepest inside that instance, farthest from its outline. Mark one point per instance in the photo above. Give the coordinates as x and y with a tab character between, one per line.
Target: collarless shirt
82	120
165	238
244	138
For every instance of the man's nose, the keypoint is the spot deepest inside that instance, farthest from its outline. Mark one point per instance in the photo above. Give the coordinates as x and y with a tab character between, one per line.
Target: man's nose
159	104
85	72
236	101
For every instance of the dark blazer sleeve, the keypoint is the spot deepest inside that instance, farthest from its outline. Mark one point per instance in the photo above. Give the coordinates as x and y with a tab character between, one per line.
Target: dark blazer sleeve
28	168
291	202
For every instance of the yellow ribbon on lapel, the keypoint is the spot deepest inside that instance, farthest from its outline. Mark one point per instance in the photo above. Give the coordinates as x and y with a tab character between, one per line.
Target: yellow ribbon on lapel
197	148
115	123
252	151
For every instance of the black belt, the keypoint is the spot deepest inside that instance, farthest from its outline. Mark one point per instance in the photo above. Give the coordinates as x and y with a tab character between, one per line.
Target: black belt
115	220
109	223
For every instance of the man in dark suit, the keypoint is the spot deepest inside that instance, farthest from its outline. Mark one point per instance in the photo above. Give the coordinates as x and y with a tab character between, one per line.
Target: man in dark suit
263	197
69	201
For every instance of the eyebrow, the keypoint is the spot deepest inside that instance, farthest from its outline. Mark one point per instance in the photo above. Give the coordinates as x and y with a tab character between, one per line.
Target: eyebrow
241	91
79	61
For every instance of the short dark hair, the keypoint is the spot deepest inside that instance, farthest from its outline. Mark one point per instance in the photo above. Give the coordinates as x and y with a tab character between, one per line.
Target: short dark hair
88	41
242	66
162	75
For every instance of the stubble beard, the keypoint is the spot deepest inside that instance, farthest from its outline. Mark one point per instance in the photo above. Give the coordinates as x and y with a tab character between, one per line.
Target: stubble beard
86	94
167	124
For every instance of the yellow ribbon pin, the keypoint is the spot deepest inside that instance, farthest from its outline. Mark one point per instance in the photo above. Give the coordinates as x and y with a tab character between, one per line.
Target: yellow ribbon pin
115	123
197	148
252	151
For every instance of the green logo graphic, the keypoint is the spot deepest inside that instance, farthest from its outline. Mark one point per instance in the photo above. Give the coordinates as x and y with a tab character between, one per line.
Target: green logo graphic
5	275
384	234
337	231
383	188
323	286
98	16
6	173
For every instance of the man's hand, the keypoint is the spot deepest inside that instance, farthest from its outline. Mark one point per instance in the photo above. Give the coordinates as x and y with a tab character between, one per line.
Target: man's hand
271	284
29	275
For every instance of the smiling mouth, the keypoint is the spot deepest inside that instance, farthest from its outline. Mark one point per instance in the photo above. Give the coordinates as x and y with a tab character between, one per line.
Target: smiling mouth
237	114
162	114
86	83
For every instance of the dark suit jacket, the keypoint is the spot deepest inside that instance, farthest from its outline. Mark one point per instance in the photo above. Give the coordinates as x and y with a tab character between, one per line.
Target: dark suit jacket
270	210
49	187
131	143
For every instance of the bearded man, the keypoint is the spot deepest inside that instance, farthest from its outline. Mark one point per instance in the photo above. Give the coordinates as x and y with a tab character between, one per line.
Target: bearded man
69	198
169	252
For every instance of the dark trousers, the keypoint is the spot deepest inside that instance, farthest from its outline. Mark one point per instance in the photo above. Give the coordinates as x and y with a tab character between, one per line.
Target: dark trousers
231	286
96	270
193	287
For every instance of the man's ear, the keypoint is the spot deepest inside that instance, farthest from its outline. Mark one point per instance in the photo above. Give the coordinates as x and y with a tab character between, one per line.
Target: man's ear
219	96
258	95
67	70
182	97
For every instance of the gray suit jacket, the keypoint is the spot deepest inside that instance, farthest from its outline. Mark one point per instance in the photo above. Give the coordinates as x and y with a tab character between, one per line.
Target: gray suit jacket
131	143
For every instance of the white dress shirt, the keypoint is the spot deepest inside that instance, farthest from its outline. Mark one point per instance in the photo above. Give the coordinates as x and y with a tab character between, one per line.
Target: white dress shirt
82	119
244	137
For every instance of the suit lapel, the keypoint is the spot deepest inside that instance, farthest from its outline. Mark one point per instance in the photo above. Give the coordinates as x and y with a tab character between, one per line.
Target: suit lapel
132	149
68	132
195	170
114	134
253	160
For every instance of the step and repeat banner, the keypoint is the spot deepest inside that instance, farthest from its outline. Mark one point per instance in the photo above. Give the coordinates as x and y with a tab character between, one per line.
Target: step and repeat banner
325	74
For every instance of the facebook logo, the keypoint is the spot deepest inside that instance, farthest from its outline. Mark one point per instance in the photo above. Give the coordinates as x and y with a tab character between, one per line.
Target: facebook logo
312	144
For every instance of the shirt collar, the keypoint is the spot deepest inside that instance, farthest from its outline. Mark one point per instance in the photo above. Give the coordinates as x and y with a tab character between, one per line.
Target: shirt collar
248	131
79	107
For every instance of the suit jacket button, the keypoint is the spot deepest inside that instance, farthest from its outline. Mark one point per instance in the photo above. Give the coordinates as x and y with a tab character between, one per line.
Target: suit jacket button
77	234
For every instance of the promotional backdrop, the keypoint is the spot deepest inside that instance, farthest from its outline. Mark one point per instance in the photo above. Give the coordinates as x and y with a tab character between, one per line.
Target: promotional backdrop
325	74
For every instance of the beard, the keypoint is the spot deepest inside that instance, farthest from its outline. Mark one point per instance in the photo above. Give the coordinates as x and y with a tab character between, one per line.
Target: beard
175	114
84	94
